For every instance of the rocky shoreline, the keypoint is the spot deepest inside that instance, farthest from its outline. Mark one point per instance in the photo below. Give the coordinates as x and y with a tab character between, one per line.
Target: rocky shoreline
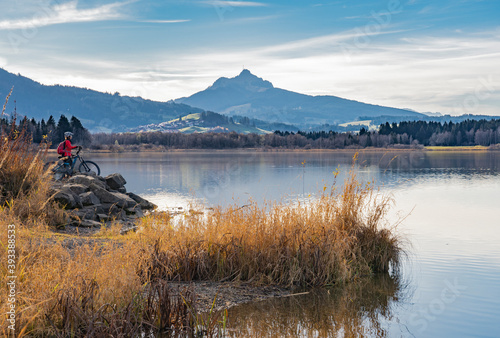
93	201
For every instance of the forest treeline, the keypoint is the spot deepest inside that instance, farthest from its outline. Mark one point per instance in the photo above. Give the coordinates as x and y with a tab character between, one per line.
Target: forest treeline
48	131
403	134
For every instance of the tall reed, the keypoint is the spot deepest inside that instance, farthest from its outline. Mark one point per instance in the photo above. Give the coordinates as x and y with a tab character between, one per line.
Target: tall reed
338	237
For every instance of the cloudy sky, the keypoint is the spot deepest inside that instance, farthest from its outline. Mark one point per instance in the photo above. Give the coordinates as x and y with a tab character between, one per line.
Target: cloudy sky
431	56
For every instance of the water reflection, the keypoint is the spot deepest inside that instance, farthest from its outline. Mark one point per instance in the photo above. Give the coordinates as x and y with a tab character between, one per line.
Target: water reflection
361	309
222	177
453	229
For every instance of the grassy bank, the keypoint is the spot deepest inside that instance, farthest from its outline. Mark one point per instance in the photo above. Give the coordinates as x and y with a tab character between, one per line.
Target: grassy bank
112	284
463	148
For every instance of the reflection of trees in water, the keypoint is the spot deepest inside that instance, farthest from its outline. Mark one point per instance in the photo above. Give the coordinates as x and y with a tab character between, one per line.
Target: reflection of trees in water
355	310
404	161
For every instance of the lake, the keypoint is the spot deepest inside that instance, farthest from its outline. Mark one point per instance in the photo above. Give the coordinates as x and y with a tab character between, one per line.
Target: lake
449	285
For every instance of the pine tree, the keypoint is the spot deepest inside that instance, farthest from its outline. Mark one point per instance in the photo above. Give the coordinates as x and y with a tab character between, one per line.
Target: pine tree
62	126
81	135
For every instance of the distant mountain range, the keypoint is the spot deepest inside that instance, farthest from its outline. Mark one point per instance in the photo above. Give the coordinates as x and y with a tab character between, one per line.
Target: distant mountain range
97	111
248	103
251	96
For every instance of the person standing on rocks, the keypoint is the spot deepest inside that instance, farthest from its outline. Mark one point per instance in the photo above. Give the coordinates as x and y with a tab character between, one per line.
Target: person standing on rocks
67	149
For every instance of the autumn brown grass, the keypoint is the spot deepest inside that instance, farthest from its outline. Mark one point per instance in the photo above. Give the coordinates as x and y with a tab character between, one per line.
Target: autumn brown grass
336	238
113	284
71	285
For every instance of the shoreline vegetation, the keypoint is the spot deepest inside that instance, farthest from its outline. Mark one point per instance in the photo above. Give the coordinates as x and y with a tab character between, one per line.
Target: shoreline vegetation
125	285
161	149
403	135
469	134
133	149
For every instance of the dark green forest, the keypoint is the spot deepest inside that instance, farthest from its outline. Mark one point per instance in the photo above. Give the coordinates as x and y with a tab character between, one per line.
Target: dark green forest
48	131
404	134
396	135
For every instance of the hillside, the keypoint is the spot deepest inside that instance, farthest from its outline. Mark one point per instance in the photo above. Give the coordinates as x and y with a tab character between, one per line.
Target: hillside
202	123
251	96
97	111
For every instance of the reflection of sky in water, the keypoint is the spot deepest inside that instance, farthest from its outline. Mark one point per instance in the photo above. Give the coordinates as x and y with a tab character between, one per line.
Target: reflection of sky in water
454	229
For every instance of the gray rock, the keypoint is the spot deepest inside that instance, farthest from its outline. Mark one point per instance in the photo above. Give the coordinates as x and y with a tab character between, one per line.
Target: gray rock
63	198
139	213
115	181
123	190
81	214
127	201
121	200
94	187
89	198
95	209
145	204
104	217
110	208
67	199
77	189
90	224
87	180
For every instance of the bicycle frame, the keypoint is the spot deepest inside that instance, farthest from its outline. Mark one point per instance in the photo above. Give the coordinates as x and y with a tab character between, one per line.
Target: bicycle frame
68	166
73	160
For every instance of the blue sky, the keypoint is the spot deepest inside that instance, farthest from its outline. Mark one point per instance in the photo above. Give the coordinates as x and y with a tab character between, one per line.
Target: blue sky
437	56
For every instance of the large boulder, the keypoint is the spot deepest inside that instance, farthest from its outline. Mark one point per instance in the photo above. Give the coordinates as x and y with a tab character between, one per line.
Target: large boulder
67	199
115	181
89	198
145	204
121	200
75	188
82	214
87	180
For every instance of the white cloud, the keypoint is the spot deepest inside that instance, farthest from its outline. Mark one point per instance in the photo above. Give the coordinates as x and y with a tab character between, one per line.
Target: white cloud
221	3
65	13
454	75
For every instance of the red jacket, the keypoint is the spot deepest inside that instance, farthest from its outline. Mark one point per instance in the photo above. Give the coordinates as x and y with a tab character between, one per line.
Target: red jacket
68	147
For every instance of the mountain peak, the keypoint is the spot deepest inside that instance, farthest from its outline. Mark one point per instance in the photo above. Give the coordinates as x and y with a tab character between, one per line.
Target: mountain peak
245	73
245	80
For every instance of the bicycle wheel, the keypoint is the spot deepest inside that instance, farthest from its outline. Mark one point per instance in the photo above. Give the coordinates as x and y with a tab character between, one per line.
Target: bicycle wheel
89	166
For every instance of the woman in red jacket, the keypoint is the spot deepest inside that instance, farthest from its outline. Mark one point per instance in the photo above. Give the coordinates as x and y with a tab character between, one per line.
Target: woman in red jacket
67	144
67	149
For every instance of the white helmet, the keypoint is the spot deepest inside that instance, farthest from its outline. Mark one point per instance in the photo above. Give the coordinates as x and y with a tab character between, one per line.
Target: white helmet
68	134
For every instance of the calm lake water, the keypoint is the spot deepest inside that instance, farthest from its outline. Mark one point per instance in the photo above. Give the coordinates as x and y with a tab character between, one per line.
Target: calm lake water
450	283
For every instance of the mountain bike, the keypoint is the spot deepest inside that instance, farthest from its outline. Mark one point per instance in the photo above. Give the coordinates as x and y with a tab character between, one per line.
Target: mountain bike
66	169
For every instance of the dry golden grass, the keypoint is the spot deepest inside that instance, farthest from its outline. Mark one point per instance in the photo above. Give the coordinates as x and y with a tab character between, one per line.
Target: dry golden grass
115	285
336	238
457	148
24	182
71	286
